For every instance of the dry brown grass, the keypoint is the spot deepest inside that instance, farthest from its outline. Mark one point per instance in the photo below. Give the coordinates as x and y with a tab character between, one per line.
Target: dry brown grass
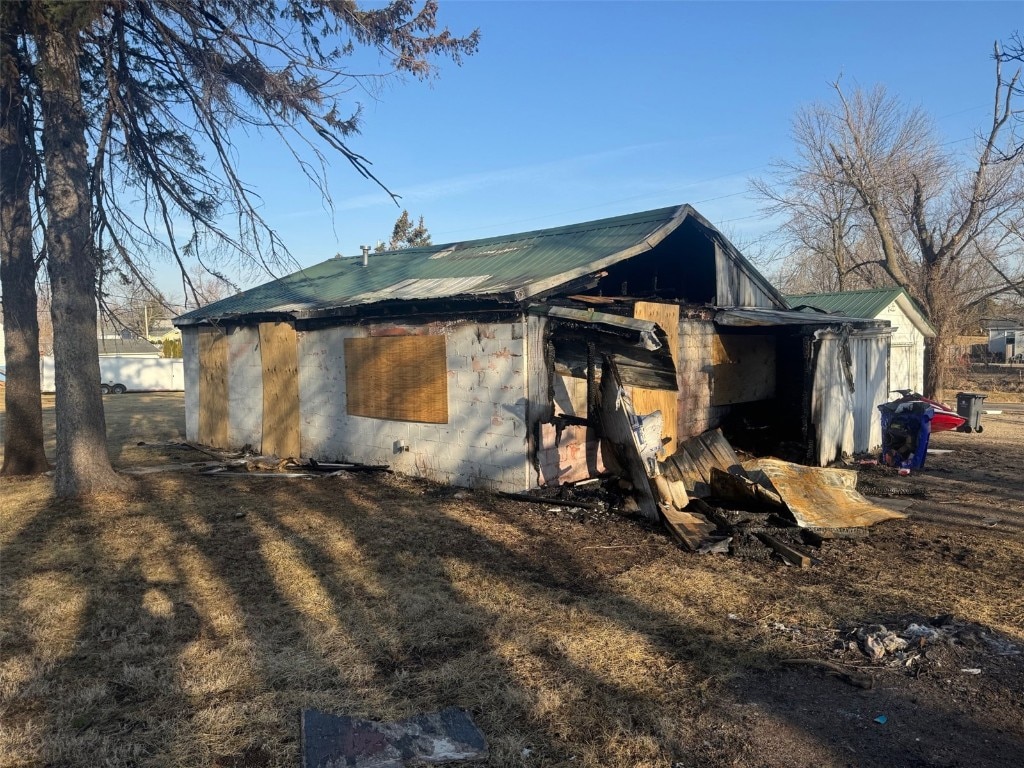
188	624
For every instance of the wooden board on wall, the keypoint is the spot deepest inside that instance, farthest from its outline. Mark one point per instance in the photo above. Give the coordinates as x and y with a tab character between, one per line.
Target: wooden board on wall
744	369
401	378
213	387
650	400
280	361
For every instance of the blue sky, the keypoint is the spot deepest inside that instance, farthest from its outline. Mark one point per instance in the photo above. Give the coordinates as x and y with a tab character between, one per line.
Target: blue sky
580	110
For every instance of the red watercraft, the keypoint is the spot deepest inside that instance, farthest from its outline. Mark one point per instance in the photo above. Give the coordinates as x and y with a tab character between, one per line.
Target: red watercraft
945	418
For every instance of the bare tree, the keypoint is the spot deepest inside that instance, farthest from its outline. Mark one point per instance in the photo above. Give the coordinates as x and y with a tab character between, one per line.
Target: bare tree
209	286
1013	53
819	211
127	88
940	225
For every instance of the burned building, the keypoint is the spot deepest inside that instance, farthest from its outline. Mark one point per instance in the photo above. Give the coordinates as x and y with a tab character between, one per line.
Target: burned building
482	363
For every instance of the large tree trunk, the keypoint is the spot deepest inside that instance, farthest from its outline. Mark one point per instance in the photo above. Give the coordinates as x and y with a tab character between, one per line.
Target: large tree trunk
935	365
83	465
23	432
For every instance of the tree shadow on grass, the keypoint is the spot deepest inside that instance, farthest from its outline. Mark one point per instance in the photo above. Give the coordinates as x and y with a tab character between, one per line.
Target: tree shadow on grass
214	611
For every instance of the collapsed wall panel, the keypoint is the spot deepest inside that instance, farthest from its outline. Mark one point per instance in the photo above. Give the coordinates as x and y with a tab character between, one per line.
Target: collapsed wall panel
280	369
213	387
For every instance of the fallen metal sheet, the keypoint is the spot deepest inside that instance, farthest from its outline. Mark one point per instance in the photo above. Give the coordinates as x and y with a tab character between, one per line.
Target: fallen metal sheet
744	490
693	461
340	741
821	497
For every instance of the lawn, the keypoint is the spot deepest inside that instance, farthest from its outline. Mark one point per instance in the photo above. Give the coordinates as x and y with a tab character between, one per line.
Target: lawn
189	622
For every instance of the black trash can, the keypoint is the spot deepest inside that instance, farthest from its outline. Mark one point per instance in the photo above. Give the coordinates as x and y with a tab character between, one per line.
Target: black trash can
968	405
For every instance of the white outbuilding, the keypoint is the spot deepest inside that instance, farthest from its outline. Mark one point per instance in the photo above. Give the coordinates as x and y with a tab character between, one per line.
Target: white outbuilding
910	326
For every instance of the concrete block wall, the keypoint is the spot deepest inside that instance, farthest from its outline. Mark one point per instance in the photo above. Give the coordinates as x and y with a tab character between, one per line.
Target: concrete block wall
484	443
245	388
695	376
190	354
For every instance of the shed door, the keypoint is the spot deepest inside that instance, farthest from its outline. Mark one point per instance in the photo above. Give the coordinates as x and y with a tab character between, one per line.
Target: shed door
279	356
213	387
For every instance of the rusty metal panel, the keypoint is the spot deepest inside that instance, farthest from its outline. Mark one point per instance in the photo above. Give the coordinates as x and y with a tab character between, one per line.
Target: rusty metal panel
823	497
696	458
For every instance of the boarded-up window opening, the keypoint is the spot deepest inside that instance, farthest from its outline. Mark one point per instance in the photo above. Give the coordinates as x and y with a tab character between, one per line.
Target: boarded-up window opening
213	388
400	378
279	358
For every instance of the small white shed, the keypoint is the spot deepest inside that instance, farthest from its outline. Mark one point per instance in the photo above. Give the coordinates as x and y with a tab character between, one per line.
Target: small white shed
910	327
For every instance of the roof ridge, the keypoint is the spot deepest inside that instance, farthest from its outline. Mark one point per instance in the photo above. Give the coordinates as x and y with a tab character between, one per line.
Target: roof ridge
838	293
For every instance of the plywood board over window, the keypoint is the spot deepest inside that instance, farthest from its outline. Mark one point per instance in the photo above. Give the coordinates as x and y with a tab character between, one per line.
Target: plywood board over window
213	387
280	361
649	400
401	378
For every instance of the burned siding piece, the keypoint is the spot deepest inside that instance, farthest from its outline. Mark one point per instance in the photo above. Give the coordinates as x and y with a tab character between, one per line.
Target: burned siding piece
534	359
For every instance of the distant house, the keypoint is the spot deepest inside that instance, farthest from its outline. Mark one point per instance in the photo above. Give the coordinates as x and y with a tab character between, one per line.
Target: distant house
133	346
910	326
161	331
1005	338
493	362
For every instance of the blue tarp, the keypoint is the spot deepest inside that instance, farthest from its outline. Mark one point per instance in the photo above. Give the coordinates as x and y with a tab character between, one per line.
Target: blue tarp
906	429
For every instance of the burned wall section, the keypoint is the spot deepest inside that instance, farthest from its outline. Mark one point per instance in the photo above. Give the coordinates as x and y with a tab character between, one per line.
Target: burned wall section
696	414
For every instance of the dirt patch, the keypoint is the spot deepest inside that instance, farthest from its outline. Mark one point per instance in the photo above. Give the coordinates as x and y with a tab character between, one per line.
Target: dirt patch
189	623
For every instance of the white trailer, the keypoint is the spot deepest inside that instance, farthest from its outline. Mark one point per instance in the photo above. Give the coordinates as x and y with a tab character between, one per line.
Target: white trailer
119	374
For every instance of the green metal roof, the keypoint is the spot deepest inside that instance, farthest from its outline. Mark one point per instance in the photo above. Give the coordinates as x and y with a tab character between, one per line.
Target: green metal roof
865	303
508	268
